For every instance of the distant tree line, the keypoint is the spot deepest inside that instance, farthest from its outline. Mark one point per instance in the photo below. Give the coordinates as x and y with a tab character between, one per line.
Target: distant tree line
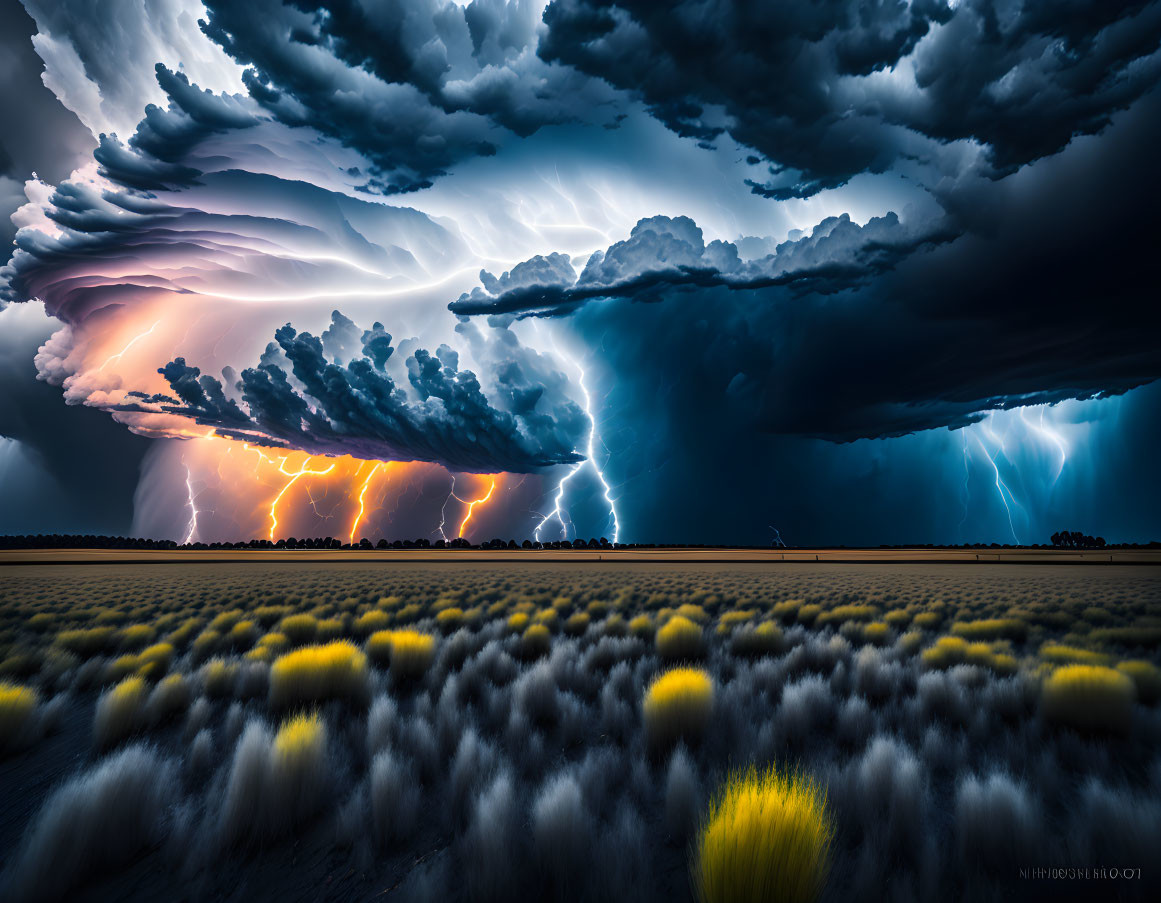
1064	540
1074	539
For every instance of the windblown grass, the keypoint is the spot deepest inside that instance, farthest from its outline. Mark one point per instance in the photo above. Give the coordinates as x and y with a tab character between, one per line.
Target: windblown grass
1147	678
120	711
678	704
1089	697
337	670
991	629
766	839
679	638
17	709
408	652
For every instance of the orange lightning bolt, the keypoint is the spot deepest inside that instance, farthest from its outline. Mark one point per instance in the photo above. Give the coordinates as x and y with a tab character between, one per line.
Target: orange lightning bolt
294	477
472	504
362	497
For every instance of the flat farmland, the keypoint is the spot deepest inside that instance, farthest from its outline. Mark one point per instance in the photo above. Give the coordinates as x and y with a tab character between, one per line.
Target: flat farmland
495	729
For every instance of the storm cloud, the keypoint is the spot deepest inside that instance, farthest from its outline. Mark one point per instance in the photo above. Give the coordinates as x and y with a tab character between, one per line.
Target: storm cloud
824	91
324	407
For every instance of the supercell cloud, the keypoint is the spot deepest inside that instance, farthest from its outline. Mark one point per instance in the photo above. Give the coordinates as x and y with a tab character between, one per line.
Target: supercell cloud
726	235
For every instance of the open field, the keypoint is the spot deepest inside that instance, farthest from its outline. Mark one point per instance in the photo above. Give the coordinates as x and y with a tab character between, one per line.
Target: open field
695	555
533	729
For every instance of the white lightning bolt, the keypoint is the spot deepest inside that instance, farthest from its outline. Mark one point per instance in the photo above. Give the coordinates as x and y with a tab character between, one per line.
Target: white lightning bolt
193	509
1052	436
132	342
966	480
1001	488
590	459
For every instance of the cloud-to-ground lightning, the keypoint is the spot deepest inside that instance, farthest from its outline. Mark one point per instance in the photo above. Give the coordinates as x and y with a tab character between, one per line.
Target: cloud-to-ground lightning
191	501
483	500
590	459
1052	436
966	479
362	498
294	478
1001	488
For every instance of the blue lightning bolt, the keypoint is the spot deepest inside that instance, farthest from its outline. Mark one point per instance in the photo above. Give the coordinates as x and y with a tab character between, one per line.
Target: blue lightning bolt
1001	487
966	479
1052	436
590	459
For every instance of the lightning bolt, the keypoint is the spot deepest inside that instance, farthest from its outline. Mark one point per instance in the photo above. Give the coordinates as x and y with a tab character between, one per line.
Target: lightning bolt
966	479
1004	493
451	494
1052	436
193	508
472	505
294	478
590	459
132	342
362	498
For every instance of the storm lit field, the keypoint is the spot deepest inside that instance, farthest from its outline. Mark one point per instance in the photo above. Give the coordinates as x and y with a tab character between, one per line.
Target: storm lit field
466	731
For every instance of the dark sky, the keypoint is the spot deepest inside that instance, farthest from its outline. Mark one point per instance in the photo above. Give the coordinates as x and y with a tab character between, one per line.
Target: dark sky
848	273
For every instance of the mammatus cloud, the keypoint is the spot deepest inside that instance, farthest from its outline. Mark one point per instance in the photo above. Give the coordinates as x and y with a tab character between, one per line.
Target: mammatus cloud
824	91
318	404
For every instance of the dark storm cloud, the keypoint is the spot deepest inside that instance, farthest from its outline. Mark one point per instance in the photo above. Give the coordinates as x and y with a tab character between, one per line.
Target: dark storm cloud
39	134
1051	297
665	254
323	406
415	86
77	468
809	86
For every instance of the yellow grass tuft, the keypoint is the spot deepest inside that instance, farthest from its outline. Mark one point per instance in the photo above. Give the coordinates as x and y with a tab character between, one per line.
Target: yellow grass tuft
313	673
877	633
535	641
576	624
1090	697
842	613
692	612
765	639
371	621
450	619
299	743
408	652
17	705
299	629
731	620
1060	654
218	677
642	626
927	620
1147	678
767	837
137	635
86	643
120	710
677	704
679	638
518	621
947	651
991	629
807	613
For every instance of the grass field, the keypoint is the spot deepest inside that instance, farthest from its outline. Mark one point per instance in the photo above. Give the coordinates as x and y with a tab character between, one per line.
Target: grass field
573	731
